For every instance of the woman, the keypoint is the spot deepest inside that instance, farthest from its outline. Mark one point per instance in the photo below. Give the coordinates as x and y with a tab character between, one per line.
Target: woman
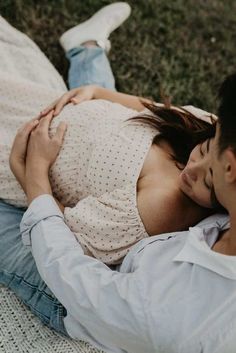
119	179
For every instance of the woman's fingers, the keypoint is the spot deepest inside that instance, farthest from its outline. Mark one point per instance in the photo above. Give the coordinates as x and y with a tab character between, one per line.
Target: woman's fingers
77	99
34	123
48	109
59	106
74	100
65	99
19	147
60	132
45	122
28	127
69	97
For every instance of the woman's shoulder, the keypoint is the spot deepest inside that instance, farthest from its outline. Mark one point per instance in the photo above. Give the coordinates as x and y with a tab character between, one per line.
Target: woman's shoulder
164	208
160	208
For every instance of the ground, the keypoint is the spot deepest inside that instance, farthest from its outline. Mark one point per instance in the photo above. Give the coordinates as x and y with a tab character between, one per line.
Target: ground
182	47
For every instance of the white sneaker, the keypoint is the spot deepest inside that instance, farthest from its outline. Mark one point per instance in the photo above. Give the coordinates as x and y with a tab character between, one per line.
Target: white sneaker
97	28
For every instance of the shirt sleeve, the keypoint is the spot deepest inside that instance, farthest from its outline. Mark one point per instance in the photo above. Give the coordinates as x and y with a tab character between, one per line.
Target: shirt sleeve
108	304
107	226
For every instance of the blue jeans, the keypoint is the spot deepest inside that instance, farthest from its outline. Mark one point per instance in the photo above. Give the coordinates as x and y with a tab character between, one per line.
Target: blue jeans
18	270
89	66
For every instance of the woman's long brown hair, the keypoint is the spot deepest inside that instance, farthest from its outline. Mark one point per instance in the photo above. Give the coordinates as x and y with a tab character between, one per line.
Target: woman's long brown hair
181	129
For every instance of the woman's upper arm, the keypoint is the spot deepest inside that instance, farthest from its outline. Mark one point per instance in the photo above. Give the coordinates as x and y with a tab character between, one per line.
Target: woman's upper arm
160	210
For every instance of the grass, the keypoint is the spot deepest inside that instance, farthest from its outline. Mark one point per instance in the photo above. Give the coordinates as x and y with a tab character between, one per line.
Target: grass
186	47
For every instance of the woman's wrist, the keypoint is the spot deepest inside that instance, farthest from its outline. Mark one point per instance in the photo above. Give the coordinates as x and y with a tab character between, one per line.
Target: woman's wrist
36	170
97	92
37	182
127	100
18	169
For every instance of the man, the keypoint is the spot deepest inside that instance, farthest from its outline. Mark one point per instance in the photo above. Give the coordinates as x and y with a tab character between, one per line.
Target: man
224	163
173	292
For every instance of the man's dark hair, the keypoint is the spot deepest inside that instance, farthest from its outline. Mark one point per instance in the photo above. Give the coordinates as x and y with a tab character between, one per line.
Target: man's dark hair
227	113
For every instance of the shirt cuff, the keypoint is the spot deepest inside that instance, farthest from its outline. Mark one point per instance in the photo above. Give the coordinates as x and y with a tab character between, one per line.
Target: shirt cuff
41	207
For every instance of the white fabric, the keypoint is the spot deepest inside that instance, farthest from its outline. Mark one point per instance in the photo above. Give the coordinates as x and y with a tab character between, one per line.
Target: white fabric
139	311
172	293
200	114
96	172
22	332
22	63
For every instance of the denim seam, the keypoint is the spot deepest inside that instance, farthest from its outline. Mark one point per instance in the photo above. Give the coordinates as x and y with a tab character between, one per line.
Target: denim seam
55	319
32	286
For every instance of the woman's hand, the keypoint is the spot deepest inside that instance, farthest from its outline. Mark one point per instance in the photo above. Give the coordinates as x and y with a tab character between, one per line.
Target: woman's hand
75	96
42	149
42	152
19	149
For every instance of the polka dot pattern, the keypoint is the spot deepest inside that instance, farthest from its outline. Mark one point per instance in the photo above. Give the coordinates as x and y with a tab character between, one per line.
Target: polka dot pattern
97	169
107	221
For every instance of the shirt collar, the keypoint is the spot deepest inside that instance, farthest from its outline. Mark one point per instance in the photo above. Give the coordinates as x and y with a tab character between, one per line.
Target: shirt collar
197	248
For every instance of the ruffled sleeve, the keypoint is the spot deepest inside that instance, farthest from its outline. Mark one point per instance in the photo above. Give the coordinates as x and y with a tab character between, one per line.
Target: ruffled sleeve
107	226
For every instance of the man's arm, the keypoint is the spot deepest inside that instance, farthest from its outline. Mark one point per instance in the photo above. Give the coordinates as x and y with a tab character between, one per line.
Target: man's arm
107	304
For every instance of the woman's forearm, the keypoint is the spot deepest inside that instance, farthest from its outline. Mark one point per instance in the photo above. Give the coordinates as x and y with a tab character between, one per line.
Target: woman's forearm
127	100
37	182
18	169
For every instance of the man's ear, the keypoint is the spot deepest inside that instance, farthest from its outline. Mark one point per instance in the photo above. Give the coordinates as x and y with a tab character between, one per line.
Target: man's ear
230	165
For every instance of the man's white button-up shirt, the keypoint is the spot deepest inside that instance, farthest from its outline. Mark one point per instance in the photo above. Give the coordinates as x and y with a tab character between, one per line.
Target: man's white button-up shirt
172	293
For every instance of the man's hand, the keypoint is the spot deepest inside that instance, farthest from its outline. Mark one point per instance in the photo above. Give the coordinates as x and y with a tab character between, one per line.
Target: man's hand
42	152
19	149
